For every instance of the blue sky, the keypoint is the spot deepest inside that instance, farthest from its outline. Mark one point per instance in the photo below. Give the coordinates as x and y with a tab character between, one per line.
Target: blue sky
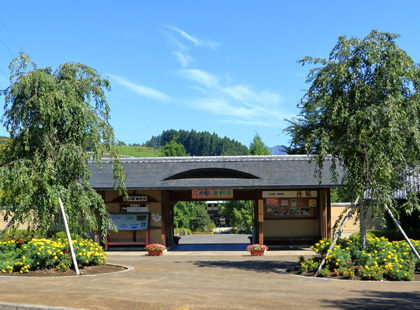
228	67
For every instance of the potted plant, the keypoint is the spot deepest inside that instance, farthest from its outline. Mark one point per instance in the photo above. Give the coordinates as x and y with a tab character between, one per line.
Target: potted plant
257	249
155	249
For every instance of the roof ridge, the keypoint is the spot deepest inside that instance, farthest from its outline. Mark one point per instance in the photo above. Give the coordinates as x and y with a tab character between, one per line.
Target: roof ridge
210	158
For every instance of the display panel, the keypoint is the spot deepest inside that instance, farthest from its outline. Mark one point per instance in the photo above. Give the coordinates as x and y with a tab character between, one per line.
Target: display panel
291	208
131	221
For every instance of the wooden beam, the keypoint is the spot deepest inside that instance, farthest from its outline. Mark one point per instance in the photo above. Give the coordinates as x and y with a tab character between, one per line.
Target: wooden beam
329	213
165	205
260	221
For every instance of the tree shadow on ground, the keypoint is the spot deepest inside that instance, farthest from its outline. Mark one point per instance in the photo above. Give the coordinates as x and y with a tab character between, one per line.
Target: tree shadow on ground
377	300
250	265
207	247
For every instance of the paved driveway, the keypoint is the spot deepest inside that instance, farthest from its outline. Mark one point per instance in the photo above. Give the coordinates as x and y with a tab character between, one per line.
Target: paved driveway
210	280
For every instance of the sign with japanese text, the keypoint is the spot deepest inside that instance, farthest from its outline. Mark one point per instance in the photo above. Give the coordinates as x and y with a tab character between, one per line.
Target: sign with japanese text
260	211
212	193
290	194
135	198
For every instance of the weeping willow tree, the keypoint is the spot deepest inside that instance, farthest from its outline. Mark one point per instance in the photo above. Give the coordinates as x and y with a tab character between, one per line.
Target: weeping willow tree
49	116
363	110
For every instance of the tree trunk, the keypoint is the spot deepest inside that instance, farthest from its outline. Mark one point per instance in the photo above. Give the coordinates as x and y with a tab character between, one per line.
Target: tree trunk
363	224
337	235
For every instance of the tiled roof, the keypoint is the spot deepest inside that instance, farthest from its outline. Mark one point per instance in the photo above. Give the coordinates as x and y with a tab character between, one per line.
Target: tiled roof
277	171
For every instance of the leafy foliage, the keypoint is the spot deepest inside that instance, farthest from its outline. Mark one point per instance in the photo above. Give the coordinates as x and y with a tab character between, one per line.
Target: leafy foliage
173	149
382	259
36	254
192	215
258	147
363	110
241	214
49	116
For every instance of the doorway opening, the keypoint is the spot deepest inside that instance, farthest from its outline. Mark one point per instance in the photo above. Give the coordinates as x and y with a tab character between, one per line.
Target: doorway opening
215	225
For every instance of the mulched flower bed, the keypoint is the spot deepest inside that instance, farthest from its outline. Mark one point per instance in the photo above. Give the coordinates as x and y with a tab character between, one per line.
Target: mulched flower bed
88	270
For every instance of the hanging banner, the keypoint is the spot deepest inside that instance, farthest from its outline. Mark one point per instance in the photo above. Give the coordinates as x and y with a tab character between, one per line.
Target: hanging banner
212	194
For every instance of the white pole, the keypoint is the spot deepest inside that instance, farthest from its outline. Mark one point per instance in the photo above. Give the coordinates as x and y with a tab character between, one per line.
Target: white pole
73	256
337	236
7	227
402	231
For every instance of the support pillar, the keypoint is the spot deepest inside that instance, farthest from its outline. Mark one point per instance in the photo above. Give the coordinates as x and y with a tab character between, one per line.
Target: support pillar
165	213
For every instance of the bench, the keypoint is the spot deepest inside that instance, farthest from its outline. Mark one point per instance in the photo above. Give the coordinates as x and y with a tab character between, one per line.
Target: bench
108	242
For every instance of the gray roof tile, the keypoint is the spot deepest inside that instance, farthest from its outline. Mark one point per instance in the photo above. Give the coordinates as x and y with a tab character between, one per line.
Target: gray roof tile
277	171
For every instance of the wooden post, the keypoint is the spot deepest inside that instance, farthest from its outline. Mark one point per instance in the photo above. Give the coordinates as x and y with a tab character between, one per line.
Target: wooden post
165	205
256	223
322	214
73	256
328	213
337	236
260	221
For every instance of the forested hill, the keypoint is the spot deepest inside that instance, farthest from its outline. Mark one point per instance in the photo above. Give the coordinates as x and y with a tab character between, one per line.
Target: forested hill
200	143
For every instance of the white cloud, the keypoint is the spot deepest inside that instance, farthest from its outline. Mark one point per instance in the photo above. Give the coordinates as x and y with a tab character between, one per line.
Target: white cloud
195	40
201	77
183	58
140	89
239	103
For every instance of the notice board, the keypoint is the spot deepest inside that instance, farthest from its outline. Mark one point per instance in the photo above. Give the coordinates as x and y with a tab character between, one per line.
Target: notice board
134	221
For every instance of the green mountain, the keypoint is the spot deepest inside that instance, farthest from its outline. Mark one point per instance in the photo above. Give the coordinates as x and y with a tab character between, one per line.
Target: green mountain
200	143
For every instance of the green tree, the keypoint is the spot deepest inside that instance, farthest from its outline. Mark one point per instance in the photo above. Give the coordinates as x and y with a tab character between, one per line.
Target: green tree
173	149
241	215
49	116
192	215
258	147
362	109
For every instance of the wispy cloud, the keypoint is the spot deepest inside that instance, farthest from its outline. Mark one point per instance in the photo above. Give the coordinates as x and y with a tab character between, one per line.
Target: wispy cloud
183	58
193	39
140	89
201	77
240	103
181	41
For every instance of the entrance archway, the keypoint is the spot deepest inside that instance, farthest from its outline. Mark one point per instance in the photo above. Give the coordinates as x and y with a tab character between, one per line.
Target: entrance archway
291	205
225	225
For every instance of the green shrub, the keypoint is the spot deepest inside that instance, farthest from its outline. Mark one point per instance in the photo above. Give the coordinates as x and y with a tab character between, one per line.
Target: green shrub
383	259
47	254
324	272
180	231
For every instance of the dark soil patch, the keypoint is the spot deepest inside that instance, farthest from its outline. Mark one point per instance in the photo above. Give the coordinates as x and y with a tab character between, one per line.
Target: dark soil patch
89	270
332	276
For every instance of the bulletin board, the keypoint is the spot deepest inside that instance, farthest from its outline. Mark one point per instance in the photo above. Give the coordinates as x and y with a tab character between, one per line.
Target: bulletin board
131	221
291	208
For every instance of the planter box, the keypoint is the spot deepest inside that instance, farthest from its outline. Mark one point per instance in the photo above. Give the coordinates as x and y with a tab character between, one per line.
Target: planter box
155	253
257	252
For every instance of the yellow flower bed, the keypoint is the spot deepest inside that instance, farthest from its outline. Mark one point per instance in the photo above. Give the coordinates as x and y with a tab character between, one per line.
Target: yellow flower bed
47	254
